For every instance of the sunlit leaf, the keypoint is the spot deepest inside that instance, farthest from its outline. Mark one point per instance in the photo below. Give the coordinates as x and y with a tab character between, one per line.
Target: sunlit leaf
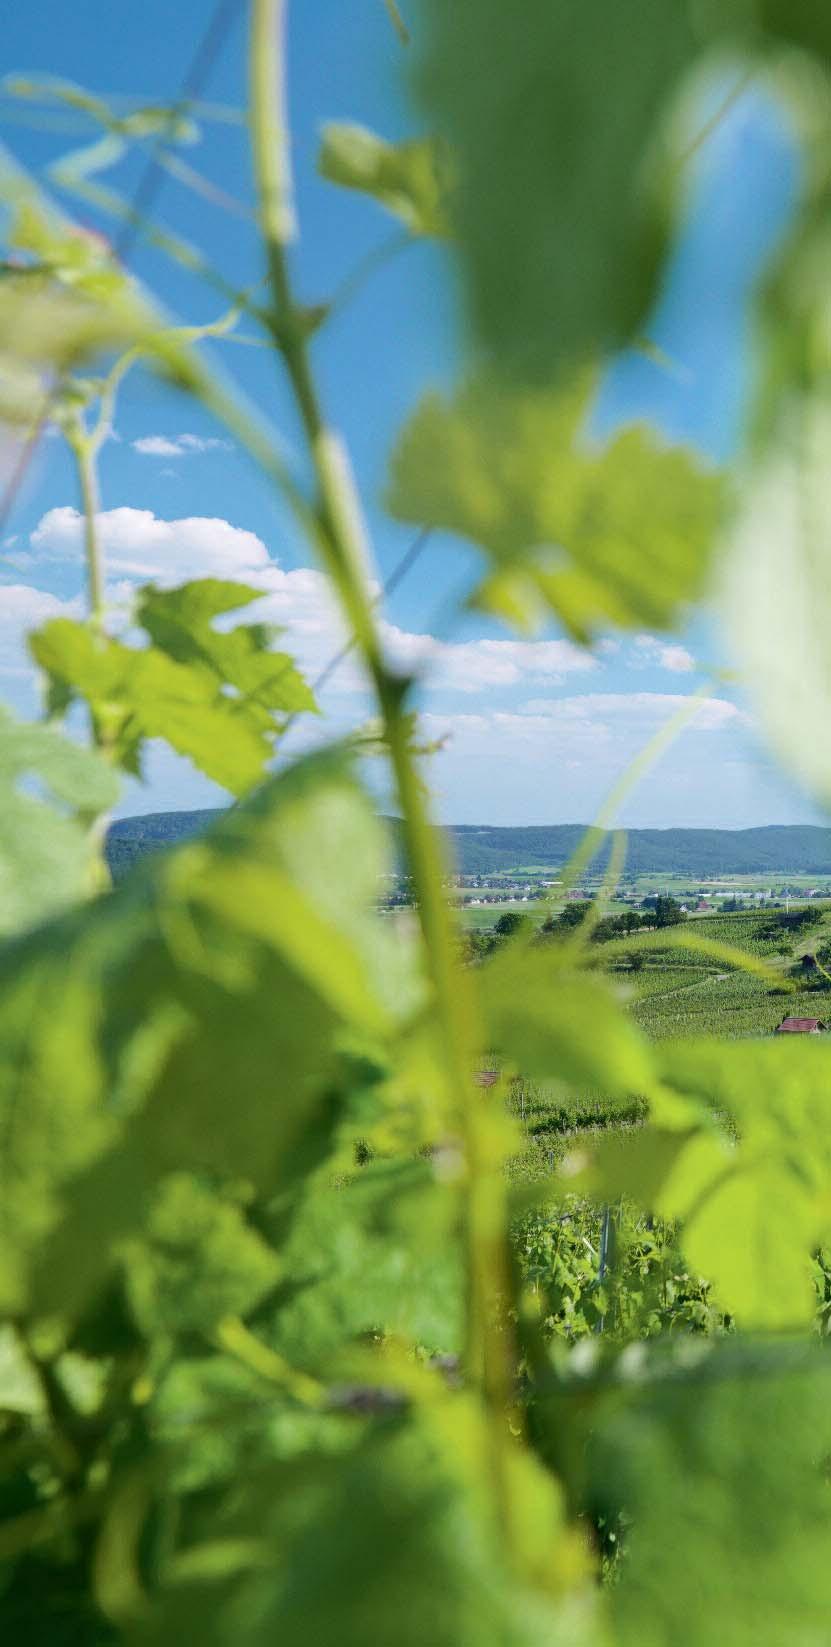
177	1028
777	589
200	1261
219	698
339	1546
756	1207
722	1481
550	1023
51	790
616	532
180	622
407	178
558	238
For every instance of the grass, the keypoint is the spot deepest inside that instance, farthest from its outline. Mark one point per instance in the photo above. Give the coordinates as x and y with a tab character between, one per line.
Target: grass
483	916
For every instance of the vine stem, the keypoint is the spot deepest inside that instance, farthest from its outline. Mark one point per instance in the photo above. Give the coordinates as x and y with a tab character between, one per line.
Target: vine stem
86	459
341	540
85	446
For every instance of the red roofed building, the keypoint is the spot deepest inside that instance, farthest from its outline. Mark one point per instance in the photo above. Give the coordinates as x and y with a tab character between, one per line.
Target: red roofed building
800	1026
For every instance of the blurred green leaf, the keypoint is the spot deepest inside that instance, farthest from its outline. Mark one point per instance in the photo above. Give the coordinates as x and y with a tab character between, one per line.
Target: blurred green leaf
754	1206
339	1549
554	1024
407	178
799	22
199	1260
559	235
777	588
741	1163
47	853
723	1481
176	1027
217	1422
55	1117
63	297
371	1257
621	532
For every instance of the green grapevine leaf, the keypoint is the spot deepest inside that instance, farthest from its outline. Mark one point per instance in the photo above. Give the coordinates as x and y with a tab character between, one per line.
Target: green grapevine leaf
622	533
180	622
54	1118
339	1548
754	1205
215	1418
559	241
180	1024
372	1257
552	1024
20	1391
136	695
47	855
406	178
722	1476
200	1261
777	589
217	698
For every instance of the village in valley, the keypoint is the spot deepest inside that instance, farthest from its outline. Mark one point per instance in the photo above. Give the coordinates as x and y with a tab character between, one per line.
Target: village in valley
672	987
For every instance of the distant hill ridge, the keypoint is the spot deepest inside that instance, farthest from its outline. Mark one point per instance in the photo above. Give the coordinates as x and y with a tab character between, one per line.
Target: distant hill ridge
486	848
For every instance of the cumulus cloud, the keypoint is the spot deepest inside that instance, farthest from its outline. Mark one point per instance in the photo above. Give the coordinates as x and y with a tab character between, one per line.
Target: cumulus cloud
600	732
19	559
137	544
302	603
21	610
170	446
636	709
657	654
474	666
557	759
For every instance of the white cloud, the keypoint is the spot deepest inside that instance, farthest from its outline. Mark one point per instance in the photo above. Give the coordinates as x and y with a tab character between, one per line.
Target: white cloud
601	731
21	610
636	709
20	559
476	665
677	660
658	654
139	545
558	759
136	543
169	446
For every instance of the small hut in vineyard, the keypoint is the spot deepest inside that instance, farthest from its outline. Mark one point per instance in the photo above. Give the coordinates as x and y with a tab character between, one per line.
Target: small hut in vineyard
800	1026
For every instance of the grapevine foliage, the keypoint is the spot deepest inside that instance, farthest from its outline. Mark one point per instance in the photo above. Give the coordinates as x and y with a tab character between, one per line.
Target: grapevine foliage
298	1343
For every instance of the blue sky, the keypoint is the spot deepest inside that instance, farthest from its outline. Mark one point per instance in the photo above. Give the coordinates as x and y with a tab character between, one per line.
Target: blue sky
536	732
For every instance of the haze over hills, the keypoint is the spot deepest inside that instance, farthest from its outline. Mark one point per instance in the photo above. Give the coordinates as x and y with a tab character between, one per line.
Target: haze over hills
486	849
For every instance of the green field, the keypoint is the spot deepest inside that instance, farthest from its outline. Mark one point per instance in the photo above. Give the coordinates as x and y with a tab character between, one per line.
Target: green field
681	992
